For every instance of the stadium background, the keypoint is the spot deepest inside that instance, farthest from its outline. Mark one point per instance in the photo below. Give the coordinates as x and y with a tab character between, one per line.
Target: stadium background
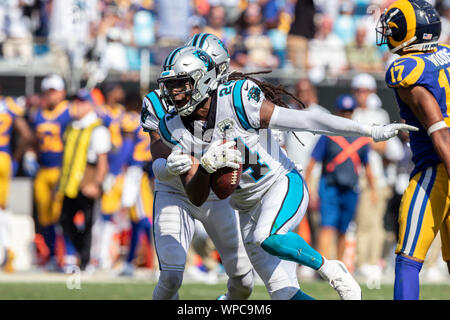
99	41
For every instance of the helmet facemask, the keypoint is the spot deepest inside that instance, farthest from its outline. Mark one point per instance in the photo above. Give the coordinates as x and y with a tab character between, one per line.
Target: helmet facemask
182	91
382	30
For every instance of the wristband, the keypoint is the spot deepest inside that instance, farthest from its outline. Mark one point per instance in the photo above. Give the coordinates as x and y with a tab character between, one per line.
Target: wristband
436	126
202	169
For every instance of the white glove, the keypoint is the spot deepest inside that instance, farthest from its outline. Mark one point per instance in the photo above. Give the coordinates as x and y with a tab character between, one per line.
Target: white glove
221	155
178	163
385	132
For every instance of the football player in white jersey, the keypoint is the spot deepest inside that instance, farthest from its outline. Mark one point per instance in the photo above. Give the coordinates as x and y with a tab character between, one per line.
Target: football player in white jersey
272	196
174	215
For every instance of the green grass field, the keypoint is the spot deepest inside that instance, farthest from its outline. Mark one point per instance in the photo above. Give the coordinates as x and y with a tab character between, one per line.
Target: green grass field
189	291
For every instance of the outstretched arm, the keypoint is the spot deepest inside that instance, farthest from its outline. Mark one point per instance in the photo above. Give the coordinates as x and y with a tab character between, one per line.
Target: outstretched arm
275	117
426	109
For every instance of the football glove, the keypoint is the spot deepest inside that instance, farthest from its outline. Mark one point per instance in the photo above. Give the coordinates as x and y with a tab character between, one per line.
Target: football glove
178	163
385	132
221	155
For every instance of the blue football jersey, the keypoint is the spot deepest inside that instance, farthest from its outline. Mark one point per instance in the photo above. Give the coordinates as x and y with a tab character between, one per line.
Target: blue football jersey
432	71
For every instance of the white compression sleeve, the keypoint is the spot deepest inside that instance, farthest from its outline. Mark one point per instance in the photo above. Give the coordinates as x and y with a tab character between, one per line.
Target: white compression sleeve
315	122
160	170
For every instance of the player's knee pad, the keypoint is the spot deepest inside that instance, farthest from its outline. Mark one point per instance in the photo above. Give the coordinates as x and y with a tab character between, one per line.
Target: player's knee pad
169	282
241	287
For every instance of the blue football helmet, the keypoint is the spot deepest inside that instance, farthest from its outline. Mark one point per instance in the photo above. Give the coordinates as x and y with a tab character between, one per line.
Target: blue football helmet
409	25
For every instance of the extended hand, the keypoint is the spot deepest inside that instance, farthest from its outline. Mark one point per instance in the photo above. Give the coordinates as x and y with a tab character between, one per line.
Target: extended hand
221	155
385	132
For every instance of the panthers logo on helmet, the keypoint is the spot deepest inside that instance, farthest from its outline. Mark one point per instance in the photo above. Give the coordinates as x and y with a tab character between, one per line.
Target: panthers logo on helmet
409	25
207	60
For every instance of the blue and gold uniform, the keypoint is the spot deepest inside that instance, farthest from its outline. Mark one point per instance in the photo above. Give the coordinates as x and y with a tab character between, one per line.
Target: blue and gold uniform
9	111
113	118
426	201
49	127
140	155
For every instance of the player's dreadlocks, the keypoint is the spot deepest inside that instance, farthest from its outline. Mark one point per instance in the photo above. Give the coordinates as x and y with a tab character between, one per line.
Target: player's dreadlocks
273	93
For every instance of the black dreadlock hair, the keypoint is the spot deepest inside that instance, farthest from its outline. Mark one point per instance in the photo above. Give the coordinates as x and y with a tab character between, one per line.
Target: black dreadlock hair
273	93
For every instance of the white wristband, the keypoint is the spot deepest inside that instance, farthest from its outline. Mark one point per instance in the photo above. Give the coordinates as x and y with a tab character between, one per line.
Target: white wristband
436	126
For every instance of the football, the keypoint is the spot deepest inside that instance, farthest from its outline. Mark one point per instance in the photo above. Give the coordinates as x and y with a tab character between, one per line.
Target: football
224	181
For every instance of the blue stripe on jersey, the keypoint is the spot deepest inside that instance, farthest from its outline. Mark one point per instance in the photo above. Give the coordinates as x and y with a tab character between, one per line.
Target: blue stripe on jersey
156	104
291	202
422	210
411	209
239	106
165	132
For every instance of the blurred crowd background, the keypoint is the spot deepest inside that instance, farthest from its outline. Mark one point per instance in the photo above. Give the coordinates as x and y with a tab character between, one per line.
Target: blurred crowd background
317	48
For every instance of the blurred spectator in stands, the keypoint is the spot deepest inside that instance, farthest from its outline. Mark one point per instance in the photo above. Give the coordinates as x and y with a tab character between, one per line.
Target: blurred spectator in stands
172	26
345	25
301	31
369	218
445	20
17	30
362	56
233	8
143	26
342	161
196	24
72	25
300	152
253	48
112	36
326	54
172	17
84	175
216	25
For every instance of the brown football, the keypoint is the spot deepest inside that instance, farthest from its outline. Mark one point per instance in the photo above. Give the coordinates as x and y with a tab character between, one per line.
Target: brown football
224	181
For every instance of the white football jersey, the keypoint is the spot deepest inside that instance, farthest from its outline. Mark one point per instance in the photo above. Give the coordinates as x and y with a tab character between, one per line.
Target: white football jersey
153	110
233	115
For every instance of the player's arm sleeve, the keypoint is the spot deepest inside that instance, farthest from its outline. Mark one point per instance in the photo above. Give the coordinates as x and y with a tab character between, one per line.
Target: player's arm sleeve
247	100
318	153
317	123
405	72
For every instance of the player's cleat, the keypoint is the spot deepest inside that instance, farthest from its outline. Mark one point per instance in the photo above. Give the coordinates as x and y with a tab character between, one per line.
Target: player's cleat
8	263
340	279
222	297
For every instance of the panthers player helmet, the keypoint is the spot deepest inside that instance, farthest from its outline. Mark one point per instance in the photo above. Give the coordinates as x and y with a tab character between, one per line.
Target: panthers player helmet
412	25
188	72
213	46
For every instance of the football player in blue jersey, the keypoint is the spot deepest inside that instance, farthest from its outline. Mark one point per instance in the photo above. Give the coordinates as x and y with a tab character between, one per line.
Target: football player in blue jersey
420	78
